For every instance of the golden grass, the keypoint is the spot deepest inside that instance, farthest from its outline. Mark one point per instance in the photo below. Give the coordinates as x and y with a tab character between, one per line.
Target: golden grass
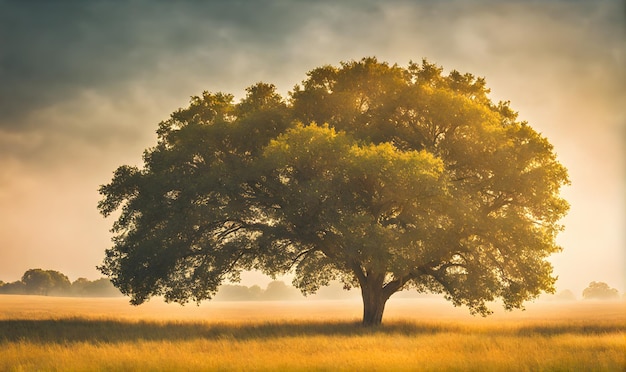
40	333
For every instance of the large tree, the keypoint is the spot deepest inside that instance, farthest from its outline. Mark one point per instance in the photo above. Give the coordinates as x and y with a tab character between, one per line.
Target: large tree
383	177
600	291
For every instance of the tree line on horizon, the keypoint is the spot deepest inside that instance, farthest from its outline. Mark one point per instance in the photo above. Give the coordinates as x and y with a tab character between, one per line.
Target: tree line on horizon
54	283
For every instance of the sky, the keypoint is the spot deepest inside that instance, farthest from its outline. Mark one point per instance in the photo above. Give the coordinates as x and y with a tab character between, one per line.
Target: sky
83	85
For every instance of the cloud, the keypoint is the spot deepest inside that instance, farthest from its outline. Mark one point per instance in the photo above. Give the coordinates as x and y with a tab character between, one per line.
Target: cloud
55	50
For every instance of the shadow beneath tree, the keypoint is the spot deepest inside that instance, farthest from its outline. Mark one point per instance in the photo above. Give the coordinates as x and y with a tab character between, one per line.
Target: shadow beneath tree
116	331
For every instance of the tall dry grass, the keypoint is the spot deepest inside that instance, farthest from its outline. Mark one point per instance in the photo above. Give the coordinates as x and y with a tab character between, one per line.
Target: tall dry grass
38	333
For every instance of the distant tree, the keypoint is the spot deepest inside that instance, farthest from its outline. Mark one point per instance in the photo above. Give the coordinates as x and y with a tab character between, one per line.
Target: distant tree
278	290
78	286
16	287
101	288
45	282
382	177
230	292
98	288
600	291
60	283
37	281
255	292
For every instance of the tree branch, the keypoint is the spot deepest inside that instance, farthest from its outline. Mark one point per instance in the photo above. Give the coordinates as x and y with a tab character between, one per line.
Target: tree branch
298	256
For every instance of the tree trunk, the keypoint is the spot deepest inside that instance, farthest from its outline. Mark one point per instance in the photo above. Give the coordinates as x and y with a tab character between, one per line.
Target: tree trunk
374	301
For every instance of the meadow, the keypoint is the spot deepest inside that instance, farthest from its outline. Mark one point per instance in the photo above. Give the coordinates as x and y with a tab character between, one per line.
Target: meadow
107	334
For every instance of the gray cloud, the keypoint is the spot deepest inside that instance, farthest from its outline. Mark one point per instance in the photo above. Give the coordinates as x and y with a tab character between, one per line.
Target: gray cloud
53	50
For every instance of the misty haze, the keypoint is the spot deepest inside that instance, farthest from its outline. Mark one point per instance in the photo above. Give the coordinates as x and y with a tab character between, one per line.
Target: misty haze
324	185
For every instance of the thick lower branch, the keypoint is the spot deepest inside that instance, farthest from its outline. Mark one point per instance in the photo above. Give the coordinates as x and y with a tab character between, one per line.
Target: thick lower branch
396	285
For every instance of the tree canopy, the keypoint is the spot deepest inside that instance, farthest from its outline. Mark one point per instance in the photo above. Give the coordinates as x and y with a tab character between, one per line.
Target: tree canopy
380	176
43	282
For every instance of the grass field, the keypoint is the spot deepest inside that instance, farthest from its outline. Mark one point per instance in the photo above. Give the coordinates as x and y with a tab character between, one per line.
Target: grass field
74	334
